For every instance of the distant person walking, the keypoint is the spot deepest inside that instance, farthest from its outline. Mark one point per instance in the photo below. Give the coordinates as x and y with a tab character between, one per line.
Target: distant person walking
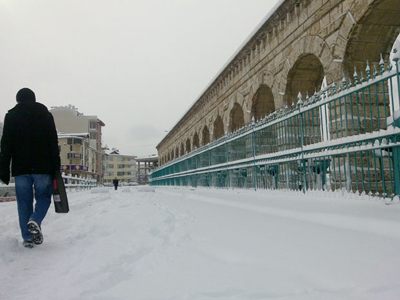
115	182
30	143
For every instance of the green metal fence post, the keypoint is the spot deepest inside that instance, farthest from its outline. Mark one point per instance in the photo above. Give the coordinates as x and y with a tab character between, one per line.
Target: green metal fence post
396	59
396	123
300	104
396	167
253	142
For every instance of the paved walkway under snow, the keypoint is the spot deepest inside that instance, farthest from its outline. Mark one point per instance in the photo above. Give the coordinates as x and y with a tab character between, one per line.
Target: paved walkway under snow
205	244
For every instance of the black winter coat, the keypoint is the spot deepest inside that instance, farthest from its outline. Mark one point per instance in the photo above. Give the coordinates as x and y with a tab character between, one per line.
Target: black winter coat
30	141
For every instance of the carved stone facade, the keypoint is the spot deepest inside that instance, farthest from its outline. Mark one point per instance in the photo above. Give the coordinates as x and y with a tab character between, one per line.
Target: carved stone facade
299	44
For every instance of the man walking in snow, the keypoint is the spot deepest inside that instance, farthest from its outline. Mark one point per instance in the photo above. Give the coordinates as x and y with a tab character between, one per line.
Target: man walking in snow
115	182
30	143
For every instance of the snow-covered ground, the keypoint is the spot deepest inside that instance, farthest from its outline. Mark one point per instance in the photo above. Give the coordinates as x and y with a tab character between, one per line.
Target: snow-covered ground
205	244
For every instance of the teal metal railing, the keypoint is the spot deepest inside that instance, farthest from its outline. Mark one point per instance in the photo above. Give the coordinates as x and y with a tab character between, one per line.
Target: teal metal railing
345	137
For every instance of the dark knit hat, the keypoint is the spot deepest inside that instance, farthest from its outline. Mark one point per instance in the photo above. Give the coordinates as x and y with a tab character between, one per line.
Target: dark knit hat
26	95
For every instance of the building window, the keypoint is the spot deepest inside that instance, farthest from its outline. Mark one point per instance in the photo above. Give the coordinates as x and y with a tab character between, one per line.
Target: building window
110	166
72	141
121	166
93	125
120	173
110	158
70	155
120	158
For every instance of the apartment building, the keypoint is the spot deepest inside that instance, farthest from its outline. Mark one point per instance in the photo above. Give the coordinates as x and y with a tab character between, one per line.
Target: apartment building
73	126
120	166
77	157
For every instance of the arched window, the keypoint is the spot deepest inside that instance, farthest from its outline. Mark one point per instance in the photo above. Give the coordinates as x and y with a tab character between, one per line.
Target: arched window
206	136
196	142
188	149
218	128
263	103
306	76
236	117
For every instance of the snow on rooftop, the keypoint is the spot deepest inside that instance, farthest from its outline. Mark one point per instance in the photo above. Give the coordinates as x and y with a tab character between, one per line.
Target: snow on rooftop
148	156
74	135
116	152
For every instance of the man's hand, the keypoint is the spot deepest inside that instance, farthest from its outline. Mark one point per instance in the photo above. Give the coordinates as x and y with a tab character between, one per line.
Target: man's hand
5	178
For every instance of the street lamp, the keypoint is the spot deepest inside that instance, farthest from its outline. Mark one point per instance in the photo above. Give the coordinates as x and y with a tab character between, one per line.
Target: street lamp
70	157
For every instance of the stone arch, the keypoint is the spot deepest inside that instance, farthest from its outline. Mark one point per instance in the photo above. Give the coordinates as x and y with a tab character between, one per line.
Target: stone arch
206	136
182	149
177	152
270	80
172	154
188	148
236	118
374	33
218	128
311	49
305	76
196	141
262	103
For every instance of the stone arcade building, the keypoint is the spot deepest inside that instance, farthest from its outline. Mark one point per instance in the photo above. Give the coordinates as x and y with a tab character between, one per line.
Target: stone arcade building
292	50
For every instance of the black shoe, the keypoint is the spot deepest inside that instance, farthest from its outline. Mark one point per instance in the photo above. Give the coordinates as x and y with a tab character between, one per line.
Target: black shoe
36	232
27	244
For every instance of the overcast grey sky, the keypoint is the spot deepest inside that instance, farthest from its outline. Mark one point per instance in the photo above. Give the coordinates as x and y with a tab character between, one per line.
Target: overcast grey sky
136	64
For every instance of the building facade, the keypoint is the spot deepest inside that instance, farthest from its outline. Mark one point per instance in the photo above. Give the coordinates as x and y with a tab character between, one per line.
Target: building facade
120	166
146	164
77	157
71	123
296	46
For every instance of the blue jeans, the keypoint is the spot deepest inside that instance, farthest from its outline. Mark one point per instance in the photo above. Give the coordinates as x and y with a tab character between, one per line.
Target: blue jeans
26	186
